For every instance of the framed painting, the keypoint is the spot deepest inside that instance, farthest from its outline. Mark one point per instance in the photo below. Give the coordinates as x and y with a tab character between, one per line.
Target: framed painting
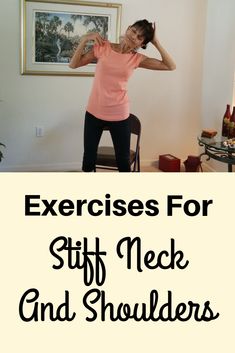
52	29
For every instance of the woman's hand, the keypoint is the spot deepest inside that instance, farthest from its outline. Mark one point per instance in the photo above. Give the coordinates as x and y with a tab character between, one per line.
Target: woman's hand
155	39
95	36
79	57
166	62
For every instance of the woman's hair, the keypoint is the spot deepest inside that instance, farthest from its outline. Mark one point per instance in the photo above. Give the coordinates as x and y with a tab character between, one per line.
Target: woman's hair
147	31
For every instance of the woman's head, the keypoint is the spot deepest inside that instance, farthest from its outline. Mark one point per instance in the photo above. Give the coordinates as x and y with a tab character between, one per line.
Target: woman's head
145	31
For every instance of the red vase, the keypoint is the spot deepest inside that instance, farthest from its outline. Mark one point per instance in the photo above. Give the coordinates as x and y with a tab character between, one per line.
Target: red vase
226	122
232	124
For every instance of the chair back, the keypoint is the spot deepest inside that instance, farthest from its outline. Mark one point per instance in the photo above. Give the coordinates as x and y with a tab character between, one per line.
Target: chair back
135	125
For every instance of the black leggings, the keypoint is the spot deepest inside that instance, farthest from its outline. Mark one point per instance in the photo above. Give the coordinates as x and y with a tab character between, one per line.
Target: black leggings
120	132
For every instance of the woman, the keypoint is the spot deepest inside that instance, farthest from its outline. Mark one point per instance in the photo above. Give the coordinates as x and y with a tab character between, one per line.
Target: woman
108	103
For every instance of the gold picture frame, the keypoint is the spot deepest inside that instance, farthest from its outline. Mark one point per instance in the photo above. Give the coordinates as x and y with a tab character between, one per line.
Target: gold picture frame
51	29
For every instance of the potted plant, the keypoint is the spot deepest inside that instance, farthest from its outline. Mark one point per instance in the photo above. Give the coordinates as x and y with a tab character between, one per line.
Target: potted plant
1	155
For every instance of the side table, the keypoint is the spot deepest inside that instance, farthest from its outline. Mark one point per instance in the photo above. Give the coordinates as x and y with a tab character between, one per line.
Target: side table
215	149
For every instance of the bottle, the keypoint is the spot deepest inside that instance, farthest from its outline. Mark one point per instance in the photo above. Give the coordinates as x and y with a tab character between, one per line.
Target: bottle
232	124
226	122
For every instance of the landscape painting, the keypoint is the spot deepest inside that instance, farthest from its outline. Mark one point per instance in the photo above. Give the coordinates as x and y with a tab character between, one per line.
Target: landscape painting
52	30
58	34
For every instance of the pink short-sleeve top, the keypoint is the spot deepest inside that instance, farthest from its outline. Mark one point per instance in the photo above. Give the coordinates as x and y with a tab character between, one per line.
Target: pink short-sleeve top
108	99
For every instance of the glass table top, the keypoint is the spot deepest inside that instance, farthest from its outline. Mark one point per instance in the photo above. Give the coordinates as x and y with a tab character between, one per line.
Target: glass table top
218	143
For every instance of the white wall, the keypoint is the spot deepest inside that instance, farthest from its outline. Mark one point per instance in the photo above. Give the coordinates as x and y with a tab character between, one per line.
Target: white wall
168	103
219	65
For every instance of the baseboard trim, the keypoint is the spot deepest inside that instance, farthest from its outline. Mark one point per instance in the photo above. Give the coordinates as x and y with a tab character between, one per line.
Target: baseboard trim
60	167
76	167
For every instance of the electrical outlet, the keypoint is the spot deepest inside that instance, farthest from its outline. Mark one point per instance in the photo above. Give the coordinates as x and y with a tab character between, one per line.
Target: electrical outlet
39	131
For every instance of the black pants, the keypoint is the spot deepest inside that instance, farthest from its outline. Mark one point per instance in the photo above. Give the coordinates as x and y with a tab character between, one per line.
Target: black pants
120	132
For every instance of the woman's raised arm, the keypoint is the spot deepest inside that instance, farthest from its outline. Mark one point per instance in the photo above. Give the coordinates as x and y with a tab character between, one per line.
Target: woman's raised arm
80	58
